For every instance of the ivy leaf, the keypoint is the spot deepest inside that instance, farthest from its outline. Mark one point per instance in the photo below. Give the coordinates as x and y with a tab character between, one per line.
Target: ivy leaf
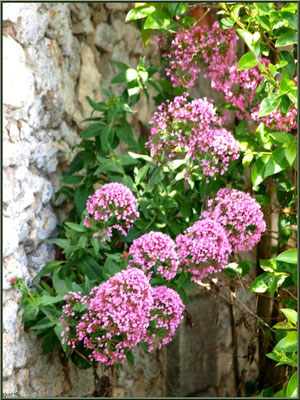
268	105
226	23
290	314
289	343
157	20
257	174
289	256
139	12
177	8
247	61
289	37
292	386
290	68
260	284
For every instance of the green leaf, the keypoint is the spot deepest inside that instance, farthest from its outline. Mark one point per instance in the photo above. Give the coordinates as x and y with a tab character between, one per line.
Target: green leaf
156	177
72	179
106	137
139	12
246	161
281	137
50	342
125	135
80	198
289	37
125	76
130	357
226	23
290	68
289	343
289	256
286	85
127	160
263	136
290	314
92	131
247	61
285	104
177	8
257	174
292	386
46	300
48	268
75	227
30	313
58	331
283	325
291	153
268	105
157	20
141	156
95	243
142	172
59	285
97	106
249	39
145	34
260	284
188	21
262	199
109	165
77	163
63	243
241	269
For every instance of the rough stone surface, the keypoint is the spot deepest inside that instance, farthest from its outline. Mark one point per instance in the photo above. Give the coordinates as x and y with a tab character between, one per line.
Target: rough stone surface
55	54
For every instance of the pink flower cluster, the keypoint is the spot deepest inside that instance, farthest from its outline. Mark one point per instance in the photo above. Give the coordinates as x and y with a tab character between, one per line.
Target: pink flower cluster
215	49
166	316
154	249
240	215
203	249
111	207
193	129
211	45
115	316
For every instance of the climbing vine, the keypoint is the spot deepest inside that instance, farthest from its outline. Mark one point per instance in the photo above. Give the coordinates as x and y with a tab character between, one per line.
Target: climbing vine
176	209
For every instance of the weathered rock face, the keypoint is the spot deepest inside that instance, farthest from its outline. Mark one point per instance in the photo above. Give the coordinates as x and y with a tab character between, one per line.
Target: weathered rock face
55	54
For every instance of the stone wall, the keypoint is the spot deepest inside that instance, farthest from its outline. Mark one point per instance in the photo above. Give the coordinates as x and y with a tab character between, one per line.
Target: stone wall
55	54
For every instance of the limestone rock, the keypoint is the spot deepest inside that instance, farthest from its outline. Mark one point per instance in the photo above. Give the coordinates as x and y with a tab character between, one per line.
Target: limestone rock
105	37
18	88
89	80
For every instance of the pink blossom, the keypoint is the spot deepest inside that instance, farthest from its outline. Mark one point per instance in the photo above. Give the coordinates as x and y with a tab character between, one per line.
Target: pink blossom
203	249
240	215
182	128
116	318
111	207
154	249
166	315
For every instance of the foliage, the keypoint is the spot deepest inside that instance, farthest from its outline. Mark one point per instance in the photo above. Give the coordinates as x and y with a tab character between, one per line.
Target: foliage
171	201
